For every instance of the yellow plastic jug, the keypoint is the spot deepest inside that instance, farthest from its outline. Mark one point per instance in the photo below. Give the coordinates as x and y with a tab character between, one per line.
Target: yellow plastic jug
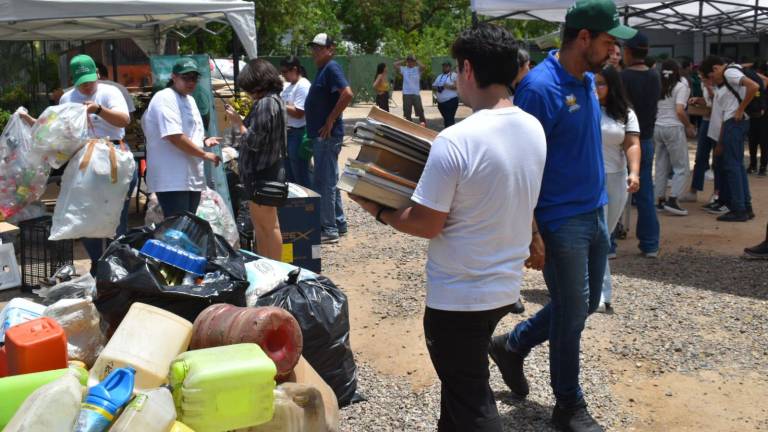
223	388
147	340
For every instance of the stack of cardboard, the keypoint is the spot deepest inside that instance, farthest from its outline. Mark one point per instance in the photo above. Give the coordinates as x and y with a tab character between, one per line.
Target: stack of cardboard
391	160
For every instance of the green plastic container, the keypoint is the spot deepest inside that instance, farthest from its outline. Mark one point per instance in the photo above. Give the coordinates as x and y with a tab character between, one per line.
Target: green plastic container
223	388
15	389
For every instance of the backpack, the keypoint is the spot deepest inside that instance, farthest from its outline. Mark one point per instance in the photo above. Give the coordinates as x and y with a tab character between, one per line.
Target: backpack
759	104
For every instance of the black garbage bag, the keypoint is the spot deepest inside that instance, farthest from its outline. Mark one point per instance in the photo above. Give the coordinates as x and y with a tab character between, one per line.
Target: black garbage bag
123	276
322	311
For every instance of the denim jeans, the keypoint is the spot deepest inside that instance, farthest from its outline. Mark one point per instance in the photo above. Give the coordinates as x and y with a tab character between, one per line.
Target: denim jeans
448	111
326	155
576	254
94	247
704	148
734	175
296	168
647	221
178	202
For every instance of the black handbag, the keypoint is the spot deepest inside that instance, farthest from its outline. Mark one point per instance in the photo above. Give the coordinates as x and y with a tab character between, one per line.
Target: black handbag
273	191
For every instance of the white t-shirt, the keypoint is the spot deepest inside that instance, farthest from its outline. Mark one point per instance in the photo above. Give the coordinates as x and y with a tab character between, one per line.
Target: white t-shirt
126	94
613	132
488	182
667	114
411	78
296	94
725	103
168	168
441	81
108	97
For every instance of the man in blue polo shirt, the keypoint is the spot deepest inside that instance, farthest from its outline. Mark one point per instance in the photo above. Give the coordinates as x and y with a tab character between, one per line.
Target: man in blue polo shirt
561	94
328	96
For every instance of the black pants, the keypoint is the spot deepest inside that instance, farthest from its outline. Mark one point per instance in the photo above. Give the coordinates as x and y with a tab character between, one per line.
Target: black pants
382	101
458	346
758	138
448	111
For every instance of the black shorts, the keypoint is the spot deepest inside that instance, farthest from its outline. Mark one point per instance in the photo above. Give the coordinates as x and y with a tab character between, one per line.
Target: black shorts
273	173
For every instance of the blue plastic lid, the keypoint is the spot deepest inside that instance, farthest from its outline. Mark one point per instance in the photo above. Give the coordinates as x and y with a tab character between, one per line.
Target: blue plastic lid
175	256
114	392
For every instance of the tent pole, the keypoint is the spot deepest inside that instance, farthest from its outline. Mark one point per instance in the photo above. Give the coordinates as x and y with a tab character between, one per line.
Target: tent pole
33	81
626	15
235	61
113	54
719	41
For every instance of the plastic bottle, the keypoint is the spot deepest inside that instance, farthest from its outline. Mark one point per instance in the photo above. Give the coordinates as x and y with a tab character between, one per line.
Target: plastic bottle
17	311
274	329
223	388
51	408
298	408
105	400
35	346
147	340
16	389
150	411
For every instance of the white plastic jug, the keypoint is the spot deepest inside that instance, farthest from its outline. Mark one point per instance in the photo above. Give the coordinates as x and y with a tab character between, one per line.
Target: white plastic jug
53	407
150	411
298	408
148	339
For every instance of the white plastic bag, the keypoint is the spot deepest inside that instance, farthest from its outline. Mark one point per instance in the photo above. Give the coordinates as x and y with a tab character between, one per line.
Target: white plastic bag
265	274
154	213
82	324
213	209
60	131
93	191
23	173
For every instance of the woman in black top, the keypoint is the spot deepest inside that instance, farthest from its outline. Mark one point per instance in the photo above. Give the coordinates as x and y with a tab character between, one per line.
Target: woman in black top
263	141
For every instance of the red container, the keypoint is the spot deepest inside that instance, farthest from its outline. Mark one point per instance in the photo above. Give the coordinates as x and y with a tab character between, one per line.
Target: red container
274	329
3	363
36	346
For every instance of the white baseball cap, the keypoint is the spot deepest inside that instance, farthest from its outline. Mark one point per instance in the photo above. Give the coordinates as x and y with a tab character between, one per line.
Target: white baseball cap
322	39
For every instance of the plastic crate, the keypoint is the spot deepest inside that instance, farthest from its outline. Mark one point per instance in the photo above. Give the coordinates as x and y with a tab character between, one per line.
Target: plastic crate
40	257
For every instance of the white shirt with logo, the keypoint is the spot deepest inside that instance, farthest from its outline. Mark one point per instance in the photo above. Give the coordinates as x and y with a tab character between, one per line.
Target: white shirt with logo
296	94
168	168
441	81
108	97
411	79
488	182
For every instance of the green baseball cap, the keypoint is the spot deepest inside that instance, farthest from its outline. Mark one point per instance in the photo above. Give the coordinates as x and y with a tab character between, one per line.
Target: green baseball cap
83	69
185	65
598	15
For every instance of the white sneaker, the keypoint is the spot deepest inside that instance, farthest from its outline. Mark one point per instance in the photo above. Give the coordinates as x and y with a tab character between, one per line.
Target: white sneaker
687	197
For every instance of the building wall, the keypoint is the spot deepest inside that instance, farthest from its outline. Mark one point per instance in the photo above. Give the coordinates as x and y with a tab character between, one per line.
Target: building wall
676	44
697	46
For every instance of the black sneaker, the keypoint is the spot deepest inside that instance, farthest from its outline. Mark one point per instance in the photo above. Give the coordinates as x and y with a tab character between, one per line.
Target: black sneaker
721	209
761	173
757	252
671	206
518	307
734	216
328	238
660	205
751	170
510	365
574	420
711	205
750	213
343	232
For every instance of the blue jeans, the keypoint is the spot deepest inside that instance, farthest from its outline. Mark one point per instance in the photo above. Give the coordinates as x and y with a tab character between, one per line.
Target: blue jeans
326	155
94	247
296	168
734	174
704	148
576	254
647	220
448	111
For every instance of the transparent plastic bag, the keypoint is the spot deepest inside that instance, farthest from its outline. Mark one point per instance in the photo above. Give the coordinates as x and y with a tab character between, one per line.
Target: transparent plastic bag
213	209
60	131
82	324
80	287
23	172
154	213
93	191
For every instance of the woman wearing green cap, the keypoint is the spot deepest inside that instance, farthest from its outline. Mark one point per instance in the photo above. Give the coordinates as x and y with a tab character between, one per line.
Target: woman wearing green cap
176	140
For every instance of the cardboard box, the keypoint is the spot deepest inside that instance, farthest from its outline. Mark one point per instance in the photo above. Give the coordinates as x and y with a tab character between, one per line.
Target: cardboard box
300	226
8	232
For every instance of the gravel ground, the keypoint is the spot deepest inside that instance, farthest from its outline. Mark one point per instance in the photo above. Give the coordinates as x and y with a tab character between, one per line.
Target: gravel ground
675	314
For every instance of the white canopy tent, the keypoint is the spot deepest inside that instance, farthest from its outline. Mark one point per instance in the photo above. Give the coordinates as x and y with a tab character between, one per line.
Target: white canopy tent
709	17
147	22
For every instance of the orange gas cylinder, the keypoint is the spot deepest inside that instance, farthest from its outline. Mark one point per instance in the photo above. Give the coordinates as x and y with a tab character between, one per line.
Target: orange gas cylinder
36	346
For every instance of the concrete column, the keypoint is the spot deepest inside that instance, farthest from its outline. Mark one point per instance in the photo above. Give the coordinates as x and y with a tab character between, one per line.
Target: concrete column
699	47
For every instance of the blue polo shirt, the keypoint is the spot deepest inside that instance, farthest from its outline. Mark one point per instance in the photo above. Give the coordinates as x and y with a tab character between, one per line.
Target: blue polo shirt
569	111
322	98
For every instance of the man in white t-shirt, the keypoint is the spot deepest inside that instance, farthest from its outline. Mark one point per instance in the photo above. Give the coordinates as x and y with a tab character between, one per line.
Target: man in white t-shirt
447	97
475	203
729	127
411	73
109	115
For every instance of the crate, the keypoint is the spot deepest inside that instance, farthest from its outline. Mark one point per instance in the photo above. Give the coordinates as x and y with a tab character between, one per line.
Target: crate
40	257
